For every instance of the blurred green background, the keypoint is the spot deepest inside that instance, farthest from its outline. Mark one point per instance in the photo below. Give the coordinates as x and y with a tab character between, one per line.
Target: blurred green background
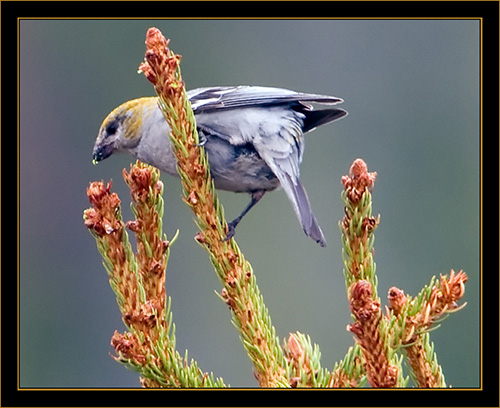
412	91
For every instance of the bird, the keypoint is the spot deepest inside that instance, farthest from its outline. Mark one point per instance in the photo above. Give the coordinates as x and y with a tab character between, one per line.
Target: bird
253	136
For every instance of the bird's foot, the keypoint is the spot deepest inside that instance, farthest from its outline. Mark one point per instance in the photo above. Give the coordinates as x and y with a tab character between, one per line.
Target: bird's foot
202	140
231	230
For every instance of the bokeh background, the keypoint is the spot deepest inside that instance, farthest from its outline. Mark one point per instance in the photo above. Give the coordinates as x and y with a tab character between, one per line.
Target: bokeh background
412	91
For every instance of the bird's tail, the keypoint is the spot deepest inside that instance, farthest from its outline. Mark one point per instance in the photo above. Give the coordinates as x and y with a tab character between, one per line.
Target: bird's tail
298	196
316	118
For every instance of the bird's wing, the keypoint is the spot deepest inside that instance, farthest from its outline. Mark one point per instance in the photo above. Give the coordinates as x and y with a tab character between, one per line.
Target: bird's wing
205	99
276	134
282	152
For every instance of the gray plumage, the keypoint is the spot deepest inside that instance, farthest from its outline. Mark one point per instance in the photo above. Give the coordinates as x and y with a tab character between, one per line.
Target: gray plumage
254	138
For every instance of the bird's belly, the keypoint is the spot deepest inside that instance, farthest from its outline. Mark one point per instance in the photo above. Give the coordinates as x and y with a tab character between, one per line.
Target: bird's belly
238	168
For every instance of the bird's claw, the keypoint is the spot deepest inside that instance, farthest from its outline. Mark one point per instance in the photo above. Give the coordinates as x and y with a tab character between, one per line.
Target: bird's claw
231	230
202	140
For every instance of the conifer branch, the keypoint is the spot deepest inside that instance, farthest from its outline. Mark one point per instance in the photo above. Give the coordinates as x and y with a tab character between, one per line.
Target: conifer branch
382	367
139	281
414	318
407	320
303	358
240	291
349	372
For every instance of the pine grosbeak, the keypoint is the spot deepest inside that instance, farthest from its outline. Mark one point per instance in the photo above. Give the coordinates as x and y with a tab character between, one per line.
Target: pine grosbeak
254	138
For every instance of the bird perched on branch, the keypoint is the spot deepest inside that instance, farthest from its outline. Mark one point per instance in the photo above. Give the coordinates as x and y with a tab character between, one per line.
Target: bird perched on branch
253	136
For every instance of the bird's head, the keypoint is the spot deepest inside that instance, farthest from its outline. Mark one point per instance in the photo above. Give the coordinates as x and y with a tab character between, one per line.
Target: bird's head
123	129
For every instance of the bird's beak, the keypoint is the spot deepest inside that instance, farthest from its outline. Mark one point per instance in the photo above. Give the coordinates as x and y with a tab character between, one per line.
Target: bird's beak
102	151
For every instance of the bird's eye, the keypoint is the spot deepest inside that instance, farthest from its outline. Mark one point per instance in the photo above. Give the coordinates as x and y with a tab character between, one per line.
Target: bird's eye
112	128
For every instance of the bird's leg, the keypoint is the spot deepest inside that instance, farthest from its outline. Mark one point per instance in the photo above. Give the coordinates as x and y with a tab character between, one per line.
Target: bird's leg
231	226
